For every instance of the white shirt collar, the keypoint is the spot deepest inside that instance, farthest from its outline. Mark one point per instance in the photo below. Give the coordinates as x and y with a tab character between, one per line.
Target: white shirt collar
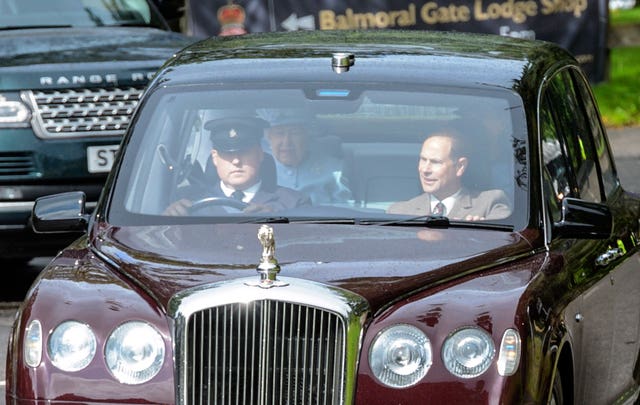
448	202
249	193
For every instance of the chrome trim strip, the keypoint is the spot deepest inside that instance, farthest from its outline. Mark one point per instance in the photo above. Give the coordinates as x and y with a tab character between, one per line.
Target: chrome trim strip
27	206
17	206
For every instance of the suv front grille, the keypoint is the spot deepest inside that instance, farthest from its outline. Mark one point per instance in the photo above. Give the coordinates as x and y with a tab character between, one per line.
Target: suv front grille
16	164
82	112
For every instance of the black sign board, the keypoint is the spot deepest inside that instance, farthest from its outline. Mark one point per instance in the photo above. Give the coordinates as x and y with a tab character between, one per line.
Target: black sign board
580	26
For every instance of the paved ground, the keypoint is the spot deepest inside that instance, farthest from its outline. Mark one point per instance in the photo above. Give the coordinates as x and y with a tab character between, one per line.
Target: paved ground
626	149
625	142
7	311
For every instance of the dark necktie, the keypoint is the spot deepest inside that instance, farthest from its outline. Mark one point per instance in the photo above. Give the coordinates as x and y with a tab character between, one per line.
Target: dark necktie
237	195
439	209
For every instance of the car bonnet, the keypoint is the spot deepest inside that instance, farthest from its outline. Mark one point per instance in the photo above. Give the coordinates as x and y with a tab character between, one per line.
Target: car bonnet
81	45
379	263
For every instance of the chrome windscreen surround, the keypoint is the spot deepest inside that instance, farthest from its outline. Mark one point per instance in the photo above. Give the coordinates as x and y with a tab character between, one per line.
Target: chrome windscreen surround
89	112
297	344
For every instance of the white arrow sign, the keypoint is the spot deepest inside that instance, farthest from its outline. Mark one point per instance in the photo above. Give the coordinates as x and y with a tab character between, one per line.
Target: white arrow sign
293	23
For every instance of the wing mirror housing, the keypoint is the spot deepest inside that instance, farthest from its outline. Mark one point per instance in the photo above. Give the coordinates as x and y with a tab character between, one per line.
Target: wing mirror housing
64	212
582	219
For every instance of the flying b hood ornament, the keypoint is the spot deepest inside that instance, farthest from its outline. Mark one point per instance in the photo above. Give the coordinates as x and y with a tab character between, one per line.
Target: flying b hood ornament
268	268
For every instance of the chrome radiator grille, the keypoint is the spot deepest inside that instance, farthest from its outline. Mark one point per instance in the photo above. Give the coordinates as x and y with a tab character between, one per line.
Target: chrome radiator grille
82	112
264	352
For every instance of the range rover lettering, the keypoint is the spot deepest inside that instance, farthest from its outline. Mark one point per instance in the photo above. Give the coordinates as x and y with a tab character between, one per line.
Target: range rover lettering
71	74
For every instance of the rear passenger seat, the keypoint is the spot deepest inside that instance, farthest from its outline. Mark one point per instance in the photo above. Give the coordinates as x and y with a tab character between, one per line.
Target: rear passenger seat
381	173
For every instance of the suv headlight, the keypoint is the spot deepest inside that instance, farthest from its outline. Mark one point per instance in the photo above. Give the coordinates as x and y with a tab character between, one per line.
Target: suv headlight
400	356
13	113
134	352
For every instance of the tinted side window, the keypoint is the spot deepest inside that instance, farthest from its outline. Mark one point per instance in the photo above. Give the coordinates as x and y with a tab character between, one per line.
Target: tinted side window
609	177
555	171
573	123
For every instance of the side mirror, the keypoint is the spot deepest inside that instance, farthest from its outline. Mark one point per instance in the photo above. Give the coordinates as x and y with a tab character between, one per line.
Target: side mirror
64	212
583	220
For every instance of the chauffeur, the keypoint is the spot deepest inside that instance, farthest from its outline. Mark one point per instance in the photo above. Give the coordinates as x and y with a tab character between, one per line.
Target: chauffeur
237	156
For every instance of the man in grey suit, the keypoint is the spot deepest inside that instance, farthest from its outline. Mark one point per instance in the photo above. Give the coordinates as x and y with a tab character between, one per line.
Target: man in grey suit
238	158
441	168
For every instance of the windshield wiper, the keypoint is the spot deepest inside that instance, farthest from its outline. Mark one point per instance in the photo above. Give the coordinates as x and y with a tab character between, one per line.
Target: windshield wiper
430	221
265	220
303	220
30	27
434	221
130	24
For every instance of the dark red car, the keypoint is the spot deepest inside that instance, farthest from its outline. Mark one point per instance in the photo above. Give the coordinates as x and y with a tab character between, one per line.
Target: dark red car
334	278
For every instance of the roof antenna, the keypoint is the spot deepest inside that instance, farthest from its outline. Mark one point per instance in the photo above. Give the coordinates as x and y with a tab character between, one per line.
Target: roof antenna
342	61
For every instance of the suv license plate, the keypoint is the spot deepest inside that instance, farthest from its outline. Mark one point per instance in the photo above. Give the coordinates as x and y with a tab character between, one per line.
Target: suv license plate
100	158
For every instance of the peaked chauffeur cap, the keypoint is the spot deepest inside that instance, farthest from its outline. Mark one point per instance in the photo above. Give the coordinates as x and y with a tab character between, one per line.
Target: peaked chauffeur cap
235	134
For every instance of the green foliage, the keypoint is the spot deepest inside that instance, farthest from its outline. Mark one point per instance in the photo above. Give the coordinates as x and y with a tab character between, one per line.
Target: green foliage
621	17
619	97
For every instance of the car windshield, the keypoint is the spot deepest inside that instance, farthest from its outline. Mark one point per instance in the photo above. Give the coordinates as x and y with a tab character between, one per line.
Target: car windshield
356	154
16	14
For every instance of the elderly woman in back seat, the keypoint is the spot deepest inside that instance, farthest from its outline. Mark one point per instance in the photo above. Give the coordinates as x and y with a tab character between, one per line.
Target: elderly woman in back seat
301	163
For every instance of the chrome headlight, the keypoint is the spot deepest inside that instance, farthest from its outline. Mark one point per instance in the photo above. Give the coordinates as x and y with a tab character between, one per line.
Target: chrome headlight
134	352
72	346
13	113
400	356
468	352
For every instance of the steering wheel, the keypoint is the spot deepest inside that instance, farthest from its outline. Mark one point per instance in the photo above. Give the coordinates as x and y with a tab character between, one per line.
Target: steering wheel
217	201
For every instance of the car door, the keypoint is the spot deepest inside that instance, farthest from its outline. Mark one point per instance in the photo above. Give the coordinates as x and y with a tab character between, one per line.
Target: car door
621	255
577	163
